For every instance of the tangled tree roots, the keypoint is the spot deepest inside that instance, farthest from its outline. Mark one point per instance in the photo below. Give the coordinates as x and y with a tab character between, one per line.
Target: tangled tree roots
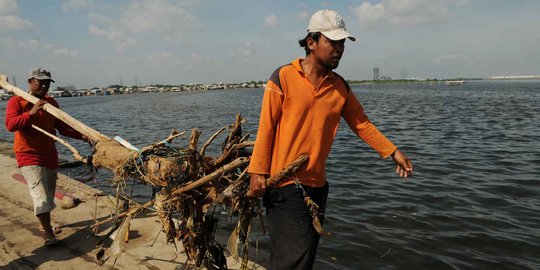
189	183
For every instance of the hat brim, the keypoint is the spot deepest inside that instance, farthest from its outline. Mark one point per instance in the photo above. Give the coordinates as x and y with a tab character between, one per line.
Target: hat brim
42	78
338	34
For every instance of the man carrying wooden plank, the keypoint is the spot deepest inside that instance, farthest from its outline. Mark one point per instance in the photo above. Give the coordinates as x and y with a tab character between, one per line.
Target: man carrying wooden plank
35	152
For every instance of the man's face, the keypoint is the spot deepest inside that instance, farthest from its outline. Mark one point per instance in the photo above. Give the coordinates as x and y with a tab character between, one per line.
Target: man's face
328	51
39	88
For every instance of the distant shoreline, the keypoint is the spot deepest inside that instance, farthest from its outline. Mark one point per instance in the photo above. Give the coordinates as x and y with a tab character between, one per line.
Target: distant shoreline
439	80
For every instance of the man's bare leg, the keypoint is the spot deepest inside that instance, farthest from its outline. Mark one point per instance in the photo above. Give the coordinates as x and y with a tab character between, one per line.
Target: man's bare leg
45	222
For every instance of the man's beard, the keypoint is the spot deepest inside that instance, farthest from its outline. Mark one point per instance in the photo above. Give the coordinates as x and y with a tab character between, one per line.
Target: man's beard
329	65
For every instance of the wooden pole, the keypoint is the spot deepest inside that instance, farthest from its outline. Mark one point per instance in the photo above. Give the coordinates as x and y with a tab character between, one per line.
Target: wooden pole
76	153
213	176
285	173
64	117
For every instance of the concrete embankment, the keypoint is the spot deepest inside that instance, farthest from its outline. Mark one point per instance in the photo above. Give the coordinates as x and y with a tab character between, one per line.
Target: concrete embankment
22	242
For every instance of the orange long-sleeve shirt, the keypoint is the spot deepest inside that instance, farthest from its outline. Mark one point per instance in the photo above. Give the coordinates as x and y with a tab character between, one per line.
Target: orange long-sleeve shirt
297	118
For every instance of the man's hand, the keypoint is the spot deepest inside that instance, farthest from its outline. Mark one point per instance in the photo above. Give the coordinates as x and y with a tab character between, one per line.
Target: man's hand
257	185
404	165
37	106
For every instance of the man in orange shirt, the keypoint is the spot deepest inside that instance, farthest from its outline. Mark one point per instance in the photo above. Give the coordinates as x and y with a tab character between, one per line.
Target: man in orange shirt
36	152
302	105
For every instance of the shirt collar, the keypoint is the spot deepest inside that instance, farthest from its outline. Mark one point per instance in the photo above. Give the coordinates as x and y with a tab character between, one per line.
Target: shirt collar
297	64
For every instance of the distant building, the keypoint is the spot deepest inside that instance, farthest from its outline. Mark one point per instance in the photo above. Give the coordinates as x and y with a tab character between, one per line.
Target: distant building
69	88
515	77
375	73
96	92
60	93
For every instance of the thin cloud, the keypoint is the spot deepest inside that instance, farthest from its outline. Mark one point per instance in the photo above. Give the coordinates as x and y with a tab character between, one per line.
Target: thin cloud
302	15
404	12
463	2
74	5
305	13
451	58
9	20
7	7
270	21
32	44
197	58
120	40
141	19
161	16
99	18
162	59
36	45
245	53
65	52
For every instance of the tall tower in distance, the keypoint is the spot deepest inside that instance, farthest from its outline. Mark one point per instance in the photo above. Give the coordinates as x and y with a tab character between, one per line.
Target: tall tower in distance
375	73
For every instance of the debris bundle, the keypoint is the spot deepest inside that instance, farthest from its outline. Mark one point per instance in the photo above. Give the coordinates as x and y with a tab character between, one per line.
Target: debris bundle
188	183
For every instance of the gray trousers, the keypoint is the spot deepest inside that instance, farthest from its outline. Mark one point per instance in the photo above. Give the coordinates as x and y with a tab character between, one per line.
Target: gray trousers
293	238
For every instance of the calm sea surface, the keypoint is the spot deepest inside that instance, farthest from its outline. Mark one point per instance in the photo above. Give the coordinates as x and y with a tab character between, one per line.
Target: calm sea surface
473	202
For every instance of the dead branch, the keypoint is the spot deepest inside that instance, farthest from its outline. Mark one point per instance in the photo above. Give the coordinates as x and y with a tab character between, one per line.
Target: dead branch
203	149
213	176
195	133
174	135
131	211
76	154
287	171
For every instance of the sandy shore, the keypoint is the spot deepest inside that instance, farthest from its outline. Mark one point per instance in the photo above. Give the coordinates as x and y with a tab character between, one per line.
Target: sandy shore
22	242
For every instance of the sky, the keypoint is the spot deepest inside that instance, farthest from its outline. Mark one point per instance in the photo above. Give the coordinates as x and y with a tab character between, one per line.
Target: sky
88	43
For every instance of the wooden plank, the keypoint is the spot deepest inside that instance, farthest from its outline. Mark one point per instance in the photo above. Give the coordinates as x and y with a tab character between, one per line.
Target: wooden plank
59	114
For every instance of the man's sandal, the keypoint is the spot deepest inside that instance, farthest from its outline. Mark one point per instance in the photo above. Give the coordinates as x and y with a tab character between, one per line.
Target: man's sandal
55	230
50	242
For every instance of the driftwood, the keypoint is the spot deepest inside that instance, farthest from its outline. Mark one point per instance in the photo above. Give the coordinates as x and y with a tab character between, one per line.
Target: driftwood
64	117
287	171
241	161
76	154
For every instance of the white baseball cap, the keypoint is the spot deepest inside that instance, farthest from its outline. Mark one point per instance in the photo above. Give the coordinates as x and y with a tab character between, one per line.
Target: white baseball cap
330	24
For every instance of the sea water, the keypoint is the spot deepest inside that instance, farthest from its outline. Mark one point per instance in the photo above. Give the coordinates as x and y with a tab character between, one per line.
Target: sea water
474	199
